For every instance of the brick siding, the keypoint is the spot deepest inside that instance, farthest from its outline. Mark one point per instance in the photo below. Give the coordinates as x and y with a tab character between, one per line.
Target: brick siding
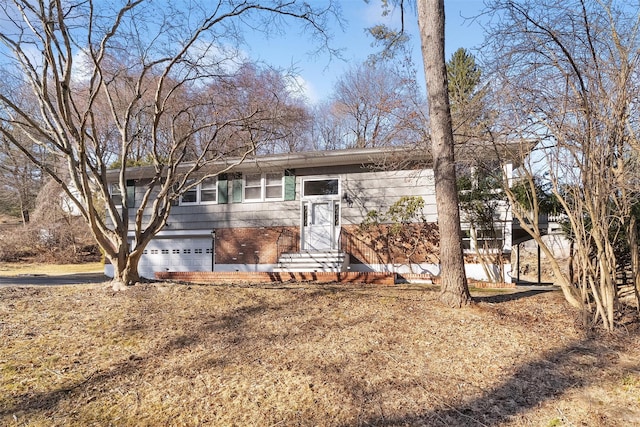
254	245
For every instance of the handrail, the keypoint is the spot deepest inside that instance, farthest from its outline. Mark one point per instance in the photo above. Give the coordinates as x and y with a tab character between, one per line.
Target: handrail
282	246
543	217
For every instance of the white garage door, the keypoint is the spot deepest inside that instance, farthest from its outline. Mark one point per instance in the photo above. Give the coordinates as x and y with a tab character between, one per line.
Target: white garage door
176	254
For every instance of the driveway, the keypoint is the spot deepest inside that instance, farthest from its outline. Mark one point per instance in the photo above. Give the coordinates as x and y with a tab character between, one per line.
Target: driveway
46	280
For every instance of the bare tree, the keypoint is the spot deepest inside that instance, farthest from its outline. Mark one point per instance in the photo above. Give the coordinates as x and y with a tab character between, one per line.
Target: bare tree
277	110
569	74
109	78
376	105
326	131
19	182
431	18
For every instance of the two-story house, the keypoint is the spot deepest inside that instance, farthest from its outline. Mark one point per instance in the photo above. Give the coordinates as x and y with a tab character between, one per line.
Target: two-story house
302	212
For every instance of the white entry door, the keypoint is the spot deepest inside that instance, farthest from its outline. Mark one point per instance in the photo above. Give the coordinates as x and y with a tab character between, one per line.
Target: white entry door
320	225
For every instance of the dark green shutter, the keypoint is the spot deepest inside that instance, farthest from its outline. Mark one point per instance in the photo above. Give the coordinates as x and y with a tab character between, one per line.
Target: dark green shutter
289	185
237	189
131	193
223	190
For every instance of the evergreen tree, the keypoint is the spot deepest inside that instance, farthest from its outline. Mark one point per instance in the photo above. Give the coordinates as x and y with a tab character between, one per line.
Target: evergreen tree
466	97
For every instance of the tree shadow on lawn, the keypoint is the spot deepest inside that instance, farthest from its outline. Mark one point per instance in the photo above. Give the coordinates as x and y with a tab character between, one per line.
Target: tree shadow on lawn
530	385
511	296
231	324
46	401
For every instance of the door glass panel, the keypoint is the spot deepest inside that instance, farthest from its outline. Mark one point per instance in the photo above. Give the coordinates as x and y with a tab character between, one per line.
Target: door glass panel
321	214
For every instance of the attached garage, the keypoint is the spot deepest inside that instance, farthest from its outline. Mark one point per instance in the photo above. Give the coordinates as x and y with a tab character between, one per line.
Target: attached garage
177	253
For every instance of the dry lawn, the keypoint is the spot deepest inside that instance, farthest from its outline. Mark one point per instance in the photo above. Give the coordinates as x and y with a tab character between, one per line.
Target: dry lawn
163	354
13	269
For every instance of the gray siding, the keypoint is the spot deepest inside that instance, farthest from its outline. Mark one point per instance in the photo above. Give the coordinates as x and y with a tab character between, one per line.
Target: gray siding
365	189
379	190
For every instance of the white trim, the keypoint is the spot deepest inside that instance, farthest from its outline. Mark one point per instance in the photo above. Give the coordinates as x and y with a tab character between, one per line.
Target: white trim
472	271
321	196
263	187
177	233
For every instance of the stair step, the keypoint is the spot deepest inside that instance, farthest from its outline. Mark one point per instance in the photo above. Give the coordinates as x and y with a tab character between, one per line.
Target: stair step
337	269
329	261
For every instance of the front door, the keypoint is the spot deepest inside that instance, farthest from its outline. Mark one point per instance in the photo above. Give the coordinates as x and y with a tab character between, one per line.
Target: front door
320	231
320	215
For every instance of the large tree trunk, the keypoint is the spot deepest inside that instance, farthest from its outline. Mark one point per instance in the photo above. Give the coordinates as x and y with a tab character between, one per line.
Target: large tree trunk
124	277
454	289
125	269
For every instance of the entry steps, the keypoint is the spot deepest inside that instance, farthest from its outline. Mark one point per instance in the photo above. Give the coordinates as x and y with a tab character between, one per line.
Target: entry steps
307	261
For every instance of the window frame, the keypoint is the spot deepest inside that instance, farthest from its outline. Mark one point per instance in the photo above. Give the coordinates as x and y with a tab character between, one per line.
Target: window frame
259	186
263	186
306	196
198	190
130	189
474	238
267	185
213	186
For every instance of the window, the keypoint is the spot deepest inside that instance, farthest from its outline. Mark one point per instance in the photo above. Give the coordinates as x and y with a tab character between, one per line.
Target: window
273	186
489	239
204	193
321	187
268	186
116	194
253	187
208	190
482	240
189	197
466	240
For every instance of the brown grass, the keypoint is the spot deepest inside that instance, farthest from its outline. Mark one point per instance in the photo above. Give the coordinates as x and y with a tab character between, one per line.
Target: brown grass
162	354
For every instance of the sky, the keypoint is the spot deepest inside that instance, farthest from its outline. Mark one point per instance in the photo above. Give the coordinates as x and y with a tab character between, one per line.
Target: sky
318	73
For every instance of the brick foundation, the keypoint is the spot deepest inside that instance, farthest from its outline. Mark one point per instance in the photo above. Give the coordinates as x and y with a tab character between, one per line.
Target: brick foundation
374	246
255	245
207	277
